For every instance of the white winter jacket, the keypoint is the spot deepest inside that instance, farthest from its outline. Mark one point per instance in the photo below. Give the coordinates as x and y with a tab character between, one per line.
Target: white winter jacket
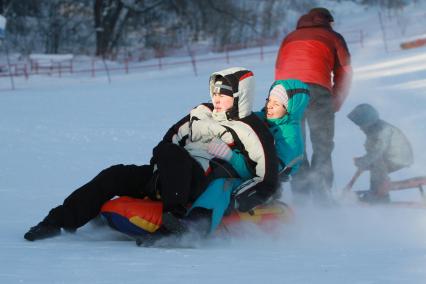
238	127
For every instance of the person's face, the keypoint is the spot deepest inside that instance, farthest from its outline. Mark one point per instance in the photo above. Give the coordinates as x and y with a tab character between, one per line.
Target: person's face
222	102
274	108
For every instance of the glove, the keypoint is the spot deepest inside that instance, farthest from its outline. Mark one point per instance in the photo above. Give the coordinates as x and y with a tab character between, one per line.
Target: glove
360	163
219	149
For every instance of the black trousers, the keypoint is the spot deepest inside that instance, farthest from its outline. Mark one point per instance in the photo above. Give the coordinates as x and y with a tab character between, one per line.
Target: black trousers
315	176
180	181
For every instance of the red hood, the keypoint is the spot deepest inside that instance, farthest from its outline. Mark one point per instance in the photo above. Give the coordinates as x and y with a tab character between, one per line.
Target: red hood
313	20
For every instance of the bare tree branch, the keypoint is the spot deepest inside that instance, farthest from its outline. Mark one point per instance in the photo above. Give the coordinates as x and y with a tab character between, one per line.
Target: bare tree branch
139	9
232	16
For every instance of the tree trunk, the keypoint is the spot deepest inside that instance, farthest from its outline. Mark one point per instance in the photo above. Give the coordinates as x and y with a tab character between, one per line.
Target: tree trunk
100	48
108	18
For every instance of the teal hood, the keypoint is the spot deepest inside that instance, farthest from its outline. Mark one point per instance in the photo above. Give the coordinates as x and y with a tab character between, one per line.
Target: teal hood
287	130
298	98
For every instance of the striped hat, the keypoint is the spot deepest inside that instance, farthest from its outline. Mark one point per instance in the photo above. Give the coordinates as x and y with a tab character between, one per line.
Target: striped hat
221	86
281	94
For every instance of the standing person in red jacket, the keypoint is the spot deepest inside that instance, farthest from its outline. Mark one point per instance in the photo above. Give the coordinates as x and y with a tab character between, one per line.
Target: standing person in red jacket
318	56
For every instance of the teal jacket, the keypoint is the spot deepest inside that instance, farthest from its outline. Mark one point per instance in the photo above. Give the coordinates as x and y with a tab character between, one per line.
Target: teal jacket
287	131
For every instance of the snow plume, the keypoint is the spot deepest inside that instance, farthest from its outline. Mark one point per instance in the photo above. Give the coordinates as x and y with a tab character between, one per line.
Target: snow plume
356	226
338	226
321	229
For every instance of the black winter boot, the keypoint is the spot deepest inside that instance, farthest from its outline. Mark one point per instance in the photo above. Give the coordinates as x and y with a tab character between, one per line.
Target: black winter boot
42	230
49	227
172	224
372	197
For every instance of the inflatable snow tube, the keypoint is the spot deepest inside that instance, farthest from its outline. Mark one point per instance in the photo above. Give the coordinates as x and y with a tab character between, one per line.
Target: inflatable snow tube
267	218
137	217
133	216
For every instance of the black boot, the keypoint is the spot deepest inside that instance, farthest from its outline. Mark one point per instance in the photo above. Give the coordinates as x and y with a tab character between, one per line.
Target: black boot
172	224
49	227
372	197
42	230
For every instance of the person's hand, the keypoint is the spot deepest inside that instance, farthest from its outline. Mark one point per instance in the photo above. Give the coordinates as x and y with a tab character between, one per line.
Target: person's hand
219	149
354	159
336	104
358	162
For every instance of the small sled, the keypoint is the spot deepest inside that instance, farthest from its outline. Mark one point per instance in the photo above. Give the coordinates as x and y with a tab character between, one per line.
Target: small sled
142	217
418	182
415	182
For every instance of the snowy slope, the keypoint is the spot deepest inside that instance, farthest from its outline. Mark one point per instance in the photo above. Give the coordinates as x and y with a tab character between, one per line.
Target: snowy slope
56	134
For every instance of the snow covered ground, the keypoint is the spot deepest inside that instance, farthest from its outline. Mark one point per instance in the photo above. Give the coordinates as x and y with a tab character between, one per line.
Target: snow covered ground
57	133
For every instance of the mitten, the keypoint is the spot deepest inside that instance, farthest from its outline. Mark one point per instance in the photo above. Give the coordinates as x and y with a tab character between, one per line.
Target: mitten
219	149
361	163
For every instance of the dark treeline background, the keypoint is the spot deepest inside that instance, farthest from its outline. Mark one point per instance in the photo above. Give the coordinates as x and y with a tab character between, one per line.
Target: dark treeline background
110	27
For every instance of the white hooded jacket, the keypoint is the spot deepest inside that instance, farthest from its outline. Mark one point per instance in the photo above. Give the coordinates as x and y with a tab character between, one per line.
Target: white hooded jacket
238	127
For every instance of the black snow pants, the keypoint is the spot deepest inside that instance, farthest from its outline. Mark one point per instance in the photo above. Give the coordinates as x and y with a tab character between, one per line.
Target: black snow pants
315	177
180	181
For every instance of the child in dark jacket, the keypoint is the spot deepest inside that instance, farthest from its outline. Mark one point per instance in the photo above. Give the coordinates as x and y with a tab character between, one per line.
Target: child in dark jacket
387	150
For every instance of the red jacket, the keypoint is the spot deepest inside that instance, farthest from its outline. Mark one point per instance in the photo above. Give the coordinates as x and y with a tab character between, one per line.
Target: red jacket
312	53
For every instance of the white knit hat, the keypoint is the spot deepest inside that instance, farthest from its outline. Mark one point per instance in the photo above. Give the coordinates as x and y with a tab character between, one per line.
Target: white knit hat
281	94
